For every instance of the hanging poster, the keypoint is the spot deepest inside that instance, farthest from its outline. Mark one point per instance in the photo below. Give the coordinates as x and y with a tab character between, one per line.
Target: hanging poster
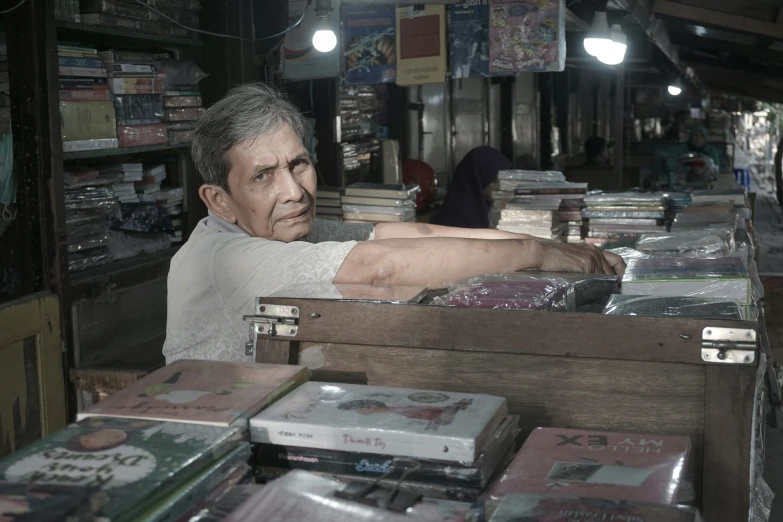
369	49
526	36
421	44
301	61
469	38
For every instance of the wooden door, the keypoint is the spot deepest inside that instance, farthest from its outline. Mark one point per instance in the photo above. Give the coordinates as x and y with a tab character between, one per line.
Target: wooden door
32	386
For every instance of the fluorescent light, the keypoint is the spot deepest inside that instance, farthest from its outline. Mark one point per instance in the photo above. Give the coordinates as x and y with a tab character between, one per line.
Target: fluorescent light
613	53
598	37
324	40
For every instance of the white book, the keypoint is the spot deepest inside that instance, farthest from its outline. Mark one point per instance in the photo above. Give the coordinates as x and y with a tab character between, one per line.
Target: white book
402	422
147	189
376	190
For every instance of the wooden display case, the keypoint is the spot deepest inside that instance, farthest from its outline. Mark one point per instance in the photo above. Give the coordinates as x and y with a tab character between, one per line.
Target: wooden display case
700	378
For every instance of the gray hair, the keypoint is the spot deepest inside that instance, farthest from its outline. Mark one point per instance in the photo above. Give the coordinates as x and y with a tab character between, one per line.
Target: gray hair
245	114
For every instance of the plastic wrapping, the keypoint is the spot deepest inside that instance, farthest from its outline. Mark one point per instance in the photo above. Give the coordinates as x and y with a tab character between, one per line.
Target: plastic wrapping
629	199
183	113
181	125
300	495
91	259
123	245
622	214
83	243
729	220
551	294
721	278
585	288
689	243
182	101
141	135
761	501
98	144
138	106
228	503
92	120
100	199
143	217
84	225
179	73
180	137
695	307
544	176
366	209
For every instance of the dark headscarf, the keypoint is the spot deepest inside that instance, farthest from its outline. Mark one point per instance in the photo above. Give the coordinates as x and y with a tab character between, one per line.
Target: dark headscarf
695	129
465	205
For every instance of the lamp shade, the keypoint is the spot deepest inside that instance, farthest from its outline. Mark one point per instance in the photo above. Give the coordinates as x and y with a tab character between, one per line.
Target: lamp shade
614	52
598	36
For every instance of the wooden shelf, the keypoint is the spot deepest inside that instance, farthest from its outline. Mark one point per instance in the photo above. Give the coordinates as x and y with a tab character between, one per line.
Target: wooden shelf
103	153
126	272
122	35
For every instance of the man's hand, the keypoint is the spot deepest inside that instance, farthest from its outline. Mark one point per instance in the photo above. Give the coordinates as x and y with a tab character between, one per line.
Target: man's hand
562	257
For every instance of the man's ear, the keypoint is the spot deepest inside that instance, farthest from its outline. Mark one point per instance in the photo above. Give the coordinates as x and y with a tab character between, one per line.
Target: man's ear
216	200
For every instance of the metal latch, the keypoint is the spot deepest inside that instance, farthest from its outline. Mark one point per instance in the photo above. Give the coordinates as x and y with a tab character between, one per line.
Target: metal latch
728	345
274	320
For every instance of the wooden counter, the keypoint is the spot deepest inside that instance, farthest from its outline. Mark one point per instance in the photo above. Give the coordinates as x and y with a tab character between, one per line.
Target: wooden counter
619	373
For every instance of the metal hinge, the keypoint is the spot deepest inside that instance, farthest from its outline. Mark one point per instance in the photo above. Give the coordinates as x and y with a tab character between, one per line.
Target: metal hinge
274	320
728	346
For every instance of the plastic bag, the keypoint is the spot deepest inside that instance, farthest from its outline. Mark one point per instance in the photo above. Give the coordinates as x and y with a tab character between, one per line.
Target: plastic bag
532	293
689	243
82	261
138	106
590	212
182	101
87	242
228	503
180	72
98	199
544	176
123	245
626	199
695	307
143	217
141	135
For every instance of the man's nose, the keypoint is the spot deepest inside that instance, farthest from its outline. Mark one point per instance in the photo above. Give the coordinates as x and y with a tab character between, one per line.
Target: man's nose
289	187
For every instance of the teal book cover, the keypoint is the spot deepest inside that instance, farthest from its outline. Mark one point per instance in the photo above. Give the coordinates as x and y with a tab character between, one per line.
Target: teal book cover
134	462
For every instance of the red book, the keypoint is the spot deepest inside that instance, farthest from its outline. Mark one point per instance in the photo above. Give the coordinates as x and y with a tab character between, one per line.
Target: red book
85	95
581	463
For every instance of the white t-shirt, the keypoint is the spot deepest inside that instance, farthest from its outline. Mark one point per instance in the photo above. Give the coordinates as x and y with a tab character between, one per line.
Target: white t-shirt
219	272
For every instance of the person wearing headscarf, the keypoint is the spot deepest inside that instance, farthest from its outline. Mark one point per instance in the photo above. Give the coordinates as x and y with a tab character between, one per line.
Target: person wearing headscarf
667	159
697	142
468	197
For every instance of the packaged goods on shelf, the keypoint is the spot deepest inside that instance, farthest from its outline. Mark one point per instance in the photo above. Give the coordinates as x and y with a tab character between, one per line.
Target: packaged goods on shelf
83	145
140	135
183	113
87	121
138	106
182	101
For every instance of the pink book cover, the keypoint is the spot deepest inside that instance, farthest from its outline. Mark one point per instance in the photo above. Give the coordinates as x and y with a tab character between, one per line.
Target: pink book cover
535	507
218	393
581	463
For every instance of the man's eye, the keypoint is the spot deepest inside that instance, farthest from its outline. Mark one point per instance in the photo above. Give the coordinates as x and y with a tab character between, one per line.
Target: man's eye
300	165
261	176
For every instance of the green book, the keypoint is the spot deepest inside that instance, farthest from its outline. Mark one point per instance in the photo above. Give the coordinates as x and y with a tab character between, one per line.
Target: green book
135	462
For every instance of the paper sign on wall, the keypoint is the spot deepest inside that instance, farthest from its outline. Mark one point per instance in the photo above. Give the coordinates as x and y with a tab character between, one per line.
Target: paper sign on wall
421	45
469	38
369	45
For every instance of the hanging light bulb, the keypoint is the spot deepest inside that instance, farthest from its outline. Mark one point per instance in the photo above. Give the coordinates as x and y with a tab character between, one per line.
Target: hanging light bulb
324	39
675	88
614	52
598	37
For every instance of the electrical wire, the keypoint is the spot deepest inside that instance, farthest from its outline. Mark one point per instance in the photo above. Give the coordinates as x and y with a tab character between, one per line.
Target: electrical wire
281	33
14	8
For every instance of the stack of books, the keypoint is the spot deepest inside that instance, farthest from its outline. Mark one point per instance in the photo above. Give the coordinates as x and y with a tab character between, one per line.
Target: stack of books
719	278
182	101
450	444
176	439
130	15
613	217
534	218
328	203
86	111
138	114
149	184
170	199
90	204
128	174
560	472
694	307
508	180
376	203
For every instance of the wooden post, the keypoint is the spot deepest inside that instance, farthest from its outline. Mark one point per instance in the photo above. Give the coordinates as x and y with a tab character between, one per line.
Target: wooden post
619	124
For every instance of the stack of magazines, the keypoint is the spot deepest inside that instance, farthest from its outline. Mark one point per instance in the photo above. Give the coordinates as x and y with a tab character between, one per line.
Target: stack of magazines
613	217
441	445
328	203
377	203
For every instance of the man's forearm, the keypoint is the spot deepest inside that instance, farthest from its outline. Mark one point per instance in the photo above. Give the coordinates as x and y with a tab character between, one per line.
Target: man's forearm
424	230
436	261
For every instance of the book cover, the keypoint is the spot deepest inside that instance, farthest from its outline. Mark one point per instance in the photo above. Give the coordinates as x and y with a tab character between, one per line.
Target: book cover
300	495
622	466
66	61
474	475
469	38
532	507
81	120
186	497
421	44
132	461
348	292
217	393
663	269
24	502
526	35
369	43
401	422
96	72
377	190
301	61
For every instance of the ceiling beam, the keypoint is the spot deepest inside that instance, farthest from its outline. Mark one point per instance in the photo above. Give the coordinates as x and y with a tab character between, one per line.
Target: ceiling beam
755	86
710	45
717	18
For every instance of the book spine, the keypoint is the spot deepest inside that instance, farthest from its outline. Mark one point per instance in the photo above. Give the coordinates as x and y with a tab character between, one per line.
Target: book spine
136	85
74	146
83	87
139	121
132	68
71	49
538	192
82	71
66	61
85	95
116	21
82	79
113	7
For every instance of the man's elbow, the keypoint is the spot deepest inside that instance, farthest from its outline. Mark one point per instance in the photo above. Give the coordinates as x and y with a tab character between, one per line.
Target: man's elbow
368	268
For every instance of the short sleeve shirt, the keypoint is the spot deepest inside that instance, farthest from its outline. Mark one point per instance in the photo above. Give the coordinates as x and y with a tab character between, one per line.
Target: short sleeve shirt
217	275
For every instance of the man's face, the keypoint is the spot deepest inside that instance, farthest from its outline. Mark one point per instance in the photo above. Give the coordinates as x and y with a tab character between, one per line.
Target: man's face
698	139
272	185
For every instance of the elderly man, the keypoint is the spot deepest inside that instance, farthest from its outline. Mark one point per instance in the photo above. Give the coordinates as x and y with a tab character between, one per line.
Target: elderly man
262	235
